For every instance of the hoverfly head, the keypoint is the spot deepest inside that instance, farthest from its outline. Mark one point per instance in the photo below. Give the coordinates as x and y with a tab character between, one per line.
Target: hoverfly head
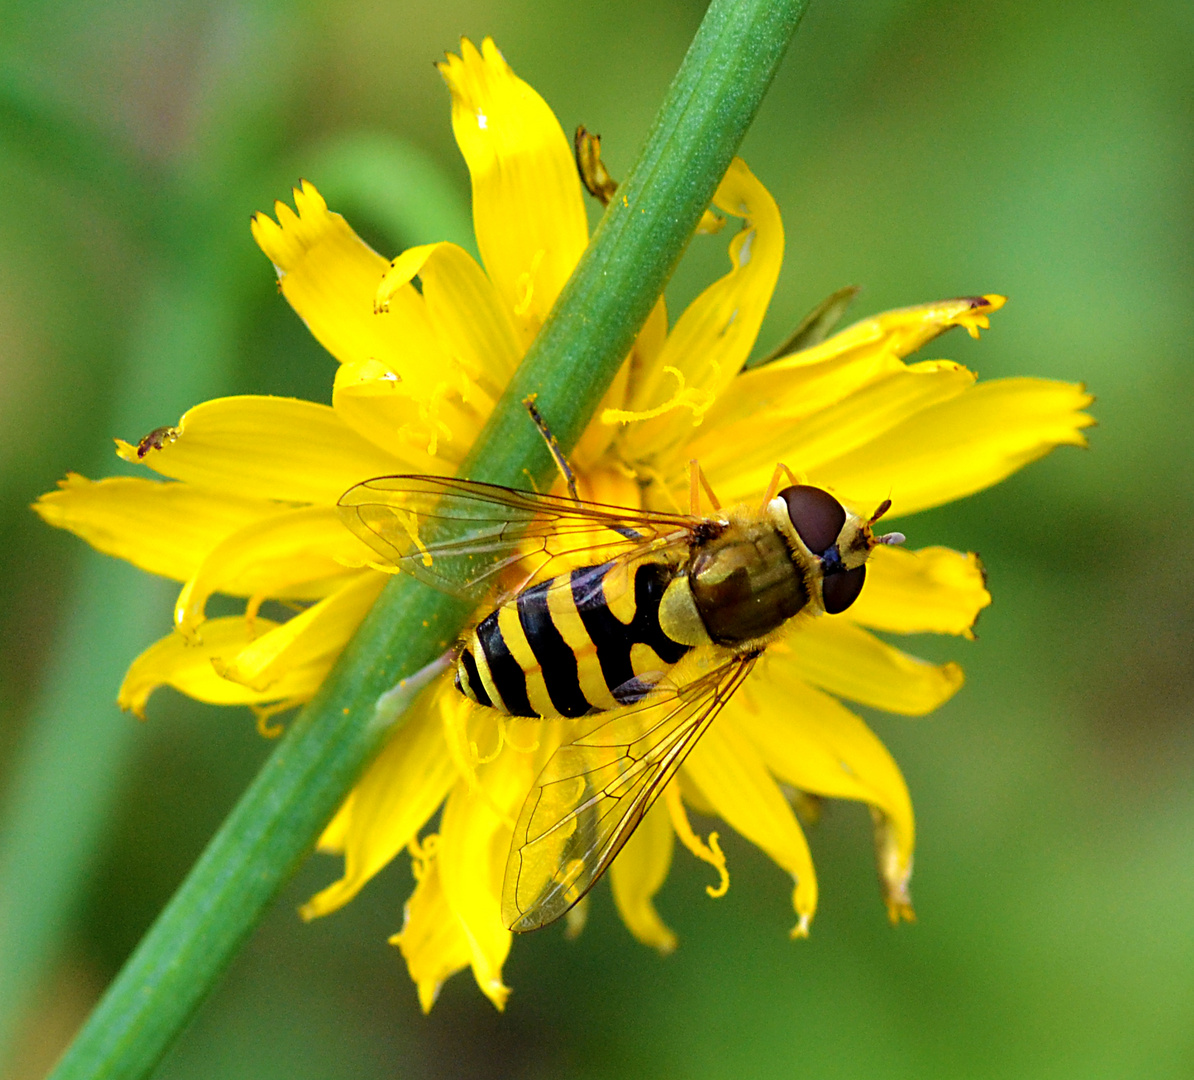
839	540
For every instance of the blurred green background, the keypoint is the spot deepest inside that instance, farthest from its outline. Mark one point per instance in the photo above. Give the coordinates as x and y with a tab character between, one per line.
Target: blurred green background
920	149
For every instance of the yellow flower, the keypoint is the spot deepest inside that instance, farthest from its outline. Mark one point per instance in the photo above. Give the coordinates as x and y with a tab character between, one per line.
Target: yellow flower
249	510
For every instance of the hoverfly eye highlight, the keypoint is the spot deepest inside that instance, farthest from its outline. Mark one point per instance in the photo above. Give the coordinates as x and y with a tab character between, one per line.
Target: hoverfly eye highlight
839	591
816	515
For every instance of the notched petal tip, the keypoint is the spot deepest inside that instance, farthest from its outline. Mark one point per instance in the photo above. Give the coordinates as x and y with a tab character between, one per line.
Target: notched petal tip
975	317
904	330
893	860
801	929
466	73
47	505
497	992
295	231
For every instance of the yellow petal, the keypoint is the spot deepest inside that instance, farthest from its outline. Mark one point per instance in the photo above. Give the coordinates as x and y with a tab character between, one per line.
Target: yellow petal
478	825
319	632
779	396
904	330
392	802
423	435
813	742
732	777
301	554
740	470
933	590
330	276
960	446
710	342
432	940
528	212
637	874
166	529
470	321
267	448
331	840
835	654
190	668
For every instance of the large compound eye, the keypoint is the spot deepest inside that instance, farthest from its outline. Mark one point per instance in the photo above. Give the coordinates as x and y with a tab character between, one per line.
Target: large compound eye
839	591
816	515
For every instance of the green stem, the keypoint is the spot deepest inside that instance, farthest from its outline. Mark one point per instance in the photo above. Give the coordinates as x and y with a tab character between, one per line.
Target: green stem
706	113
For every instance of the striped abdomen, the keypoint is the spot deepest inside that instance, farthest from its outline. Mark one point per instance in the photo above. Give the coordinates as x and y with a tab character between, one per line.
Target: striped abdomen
565	648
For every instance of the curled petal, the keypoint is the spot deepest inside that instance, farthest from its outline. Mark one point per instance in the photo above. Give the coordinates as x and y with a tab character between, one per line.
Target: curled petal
637	874
813	742
166	529
191	669
329	275
432	941
472	325
933	590
731	775
265	448
528	213
318	633
711	340
960	446
839	656
301	554
390	804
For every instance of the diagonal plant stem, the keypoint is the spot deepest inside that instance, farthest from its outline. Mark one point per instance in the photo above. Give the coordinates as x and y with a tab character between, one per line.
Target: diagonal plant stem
707	111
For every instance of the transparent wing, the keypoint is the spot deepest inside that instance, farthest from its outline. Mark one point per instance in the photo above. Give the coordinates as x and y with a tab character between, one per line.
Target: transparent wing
460	535
594	791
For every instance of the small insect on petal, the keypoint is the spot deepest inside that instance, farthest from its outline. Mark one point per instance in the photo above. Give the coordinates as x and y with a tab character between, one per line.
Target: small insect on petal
155	440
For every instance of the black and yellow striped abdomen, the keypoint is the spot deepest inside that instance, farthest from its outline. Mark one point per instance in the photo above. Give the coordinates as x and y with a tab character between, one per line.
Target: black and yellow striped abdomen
573	644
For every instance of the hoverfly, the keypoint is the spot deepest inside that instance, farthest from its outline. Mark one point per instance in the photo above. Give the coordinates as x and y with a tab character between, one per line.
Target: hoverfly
648	625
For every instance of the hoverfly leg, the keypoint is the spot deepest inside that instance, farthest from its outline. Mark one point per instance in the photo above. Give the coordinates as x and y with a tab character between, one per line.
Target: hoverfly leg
634	690
773	487
553	447
697	480
557	455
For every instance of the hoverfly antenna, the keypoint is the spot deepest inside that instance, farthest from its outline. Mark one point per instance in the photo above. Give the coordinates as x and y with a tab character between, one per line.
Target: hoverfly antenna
891	538
883	507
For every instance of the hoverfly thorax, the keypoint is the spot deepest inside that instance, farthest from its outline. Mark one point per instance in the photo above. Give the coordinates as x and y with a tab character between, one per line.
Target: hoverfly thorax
745	583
